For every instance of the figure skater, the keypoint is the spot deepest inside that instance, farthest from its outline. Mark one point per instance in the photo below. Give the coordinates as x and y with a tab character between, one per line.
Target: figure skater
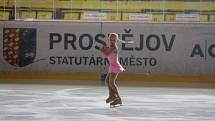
111	52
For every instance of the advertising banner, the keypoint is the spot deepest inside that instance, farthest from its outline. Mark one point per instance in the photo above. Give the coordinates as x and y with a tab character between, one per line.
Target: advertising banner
74	46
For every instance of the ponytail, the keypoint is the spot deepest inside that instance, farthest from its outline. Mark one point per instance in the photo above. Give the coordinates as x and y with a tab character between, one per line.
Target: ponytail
126	42
119	40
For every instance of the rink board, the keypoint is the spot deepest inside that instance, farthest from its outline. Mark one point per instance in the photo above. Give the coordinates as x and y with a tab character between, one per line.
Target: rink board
186	49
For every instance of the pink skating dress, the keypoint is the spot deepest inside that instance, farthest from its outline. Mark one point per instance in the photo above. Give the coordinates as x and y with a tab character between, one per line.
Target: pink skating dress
114	65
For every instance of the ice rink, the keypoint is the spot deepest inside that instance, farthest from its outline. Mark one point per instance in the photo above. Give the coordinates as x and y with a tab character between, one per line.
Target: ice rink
87	103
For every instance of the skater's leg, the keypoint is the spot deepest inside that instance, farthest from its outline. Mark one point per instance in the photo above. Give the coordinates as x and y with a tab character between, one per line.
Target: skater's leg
111	91
112	82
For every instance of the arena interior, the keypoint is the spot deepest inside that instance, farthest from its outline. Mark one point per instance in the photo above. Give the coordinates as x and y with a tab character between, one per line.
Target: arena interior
51	68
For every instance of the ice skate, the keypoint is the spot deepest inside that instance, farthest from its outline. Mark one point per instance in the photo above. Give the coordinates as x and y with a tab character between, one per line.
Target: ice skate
116	103
109	99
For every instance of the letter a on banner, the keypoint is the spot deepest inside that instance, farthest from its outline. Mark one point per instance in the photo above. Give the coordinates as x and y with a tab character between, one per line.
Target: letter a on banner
19	46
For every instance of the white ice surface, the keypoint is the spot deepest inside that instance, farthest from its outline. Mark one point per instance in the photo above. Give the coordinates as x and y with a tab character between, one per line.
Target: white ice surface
87	103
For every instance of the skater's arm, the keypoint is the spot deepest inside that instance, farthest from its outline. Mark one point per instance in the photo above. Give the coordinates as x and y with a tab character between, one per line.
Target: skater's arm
107	50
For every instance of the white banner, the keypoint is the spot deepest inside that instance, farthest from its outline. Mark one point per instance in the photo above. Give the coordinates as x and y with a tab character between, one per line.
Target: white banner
74	46
140	17
187	17
94	16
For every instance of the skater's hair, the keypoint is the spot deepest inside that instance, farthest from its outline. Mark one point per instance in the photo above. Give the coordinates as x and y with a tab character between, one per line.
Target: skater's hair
117	38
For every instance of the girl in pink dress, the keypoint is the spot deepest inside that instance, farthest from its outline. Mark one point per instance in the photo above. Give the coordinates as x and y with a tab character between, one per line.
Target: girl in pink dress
111	52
